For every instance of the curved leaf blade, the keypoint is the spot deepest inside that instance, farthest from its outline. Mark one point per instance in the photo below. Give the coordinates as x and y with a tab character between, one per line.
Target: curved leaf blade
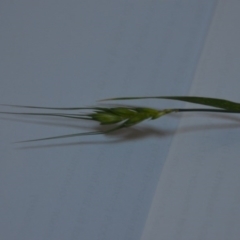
212	102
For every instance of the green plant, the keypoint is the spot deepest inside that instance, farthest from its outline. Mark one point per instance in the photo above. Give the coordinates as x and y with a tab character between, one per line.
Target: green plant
126	116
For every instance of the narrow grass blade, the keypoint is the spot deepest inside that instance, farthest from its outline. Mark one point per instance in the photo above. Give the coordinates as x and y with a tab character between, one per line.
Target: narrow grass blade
213	102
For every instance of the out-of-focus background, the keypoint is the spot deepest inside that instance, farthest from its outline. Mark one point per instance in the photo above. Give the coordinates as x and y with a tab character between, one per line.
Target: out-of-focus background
173	178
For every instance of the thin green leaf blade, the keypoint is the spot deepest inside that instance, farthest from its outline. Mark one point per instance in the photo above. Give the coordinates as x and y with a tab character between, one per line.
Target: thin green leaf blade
212	102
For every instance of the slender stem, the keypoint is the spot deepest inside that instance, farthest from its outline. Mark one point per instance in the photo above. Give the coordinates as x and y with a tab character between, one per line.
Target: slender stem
204	110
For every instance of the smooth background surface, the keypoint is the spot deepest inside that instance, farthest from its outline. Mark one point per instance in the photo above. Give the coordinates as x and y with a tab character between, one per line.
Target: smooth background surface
69	53
198	192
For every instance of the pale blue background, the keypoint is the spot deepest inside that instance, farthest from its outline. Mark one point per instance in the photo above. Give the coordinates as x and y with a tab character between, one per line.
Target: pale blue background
73	53
198	195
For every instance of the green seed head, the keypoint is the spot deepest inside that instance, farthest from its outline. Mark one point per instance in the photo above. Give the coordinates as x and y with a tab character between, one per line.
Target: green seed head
129	116
106	118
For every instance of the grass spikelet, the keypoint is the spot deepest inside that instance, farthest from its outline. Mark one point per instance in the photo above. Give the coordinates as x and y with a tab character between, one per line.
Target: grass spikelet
117	117
125	116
